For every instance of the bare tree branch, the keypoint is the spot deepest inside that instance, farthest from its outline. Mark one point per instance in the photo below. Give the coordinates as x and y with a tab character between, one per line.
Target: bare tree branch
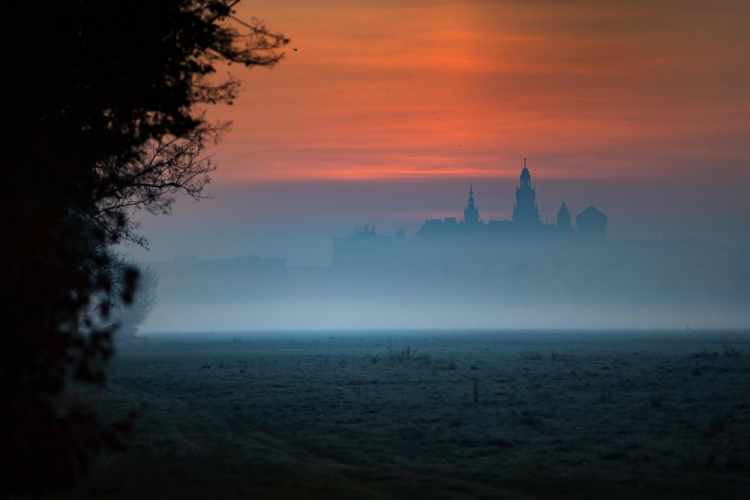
165	167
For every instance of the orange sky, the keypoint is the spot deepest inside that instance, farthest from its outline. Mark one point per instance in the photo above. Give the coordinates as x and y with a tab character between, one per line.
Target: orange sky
586	89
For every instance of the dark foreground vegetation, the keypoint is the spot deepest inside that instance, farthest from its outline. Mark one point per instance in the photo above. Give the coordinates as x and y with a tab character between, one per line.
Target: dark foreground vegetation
105	115
430	415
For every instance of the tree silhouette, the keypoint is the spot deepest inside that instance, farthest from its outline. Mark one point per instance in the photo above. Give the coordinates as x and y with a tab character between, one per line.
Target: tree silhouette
103	106
164	167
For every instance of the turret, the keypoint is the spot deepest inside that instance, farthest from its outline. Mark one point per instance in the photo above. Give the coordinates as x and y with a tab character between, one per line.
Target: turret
563	218
525	175
525	211
471	213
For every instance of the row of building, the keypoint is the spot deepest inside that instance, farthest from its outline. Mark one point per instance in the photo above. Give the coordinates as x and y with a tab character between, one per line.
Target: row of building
440	238
590	222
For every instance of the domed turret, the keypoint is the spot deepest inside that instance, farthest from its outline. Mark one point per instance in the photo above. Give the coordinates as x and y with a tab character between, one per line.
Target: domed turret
471	213
525	211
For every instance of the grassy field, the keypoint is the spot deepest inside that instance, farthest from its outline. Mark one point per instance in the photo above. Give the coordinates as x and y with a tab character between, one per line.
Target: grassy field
431	415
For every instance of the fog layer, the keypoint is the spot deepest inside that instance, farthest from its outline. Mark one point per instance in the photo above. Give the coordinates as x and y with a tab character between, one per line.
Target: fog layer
463	282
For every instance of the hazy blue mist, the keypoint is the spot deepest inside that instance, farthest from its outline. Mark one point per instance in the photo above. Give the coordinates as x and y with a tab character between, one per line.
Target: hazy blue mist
299	220
675	257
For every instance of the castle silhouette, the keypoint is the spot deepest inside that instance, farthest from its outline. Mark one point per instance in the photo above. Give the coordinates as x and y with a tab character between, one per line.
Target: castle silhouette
590	222
444	238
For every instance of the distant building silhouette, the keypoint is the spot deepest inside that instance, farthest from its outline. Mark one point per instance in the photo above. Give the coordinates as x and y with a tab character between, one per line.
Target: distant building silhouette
591	222
525	220
525	211
366	247
471	213
563	218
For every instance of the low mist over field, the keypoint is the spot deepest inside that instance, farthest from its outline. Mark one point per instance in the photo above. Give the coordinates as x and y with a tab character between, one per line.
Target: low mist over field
520	295
524	270
463	280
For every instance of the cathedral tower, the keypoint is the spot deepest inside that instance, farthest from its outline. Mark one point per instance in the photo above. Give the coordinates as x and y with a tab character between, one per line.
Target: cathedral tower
471	214
525	211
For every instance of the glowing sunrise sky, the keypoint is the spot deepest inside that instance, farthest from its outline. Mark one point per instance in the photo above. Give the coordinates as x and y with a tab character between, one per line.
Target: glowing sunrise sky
388	109
588	89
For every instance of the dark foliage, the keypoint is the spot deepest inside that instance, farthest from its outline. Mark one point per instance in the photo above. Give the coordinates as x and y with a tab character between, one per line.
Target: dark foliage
95	90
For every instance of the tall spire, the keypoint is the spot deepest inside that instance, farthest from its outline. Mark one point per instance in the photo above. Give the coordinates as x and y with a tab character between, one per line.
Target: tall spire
525	212
471	214
563	217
